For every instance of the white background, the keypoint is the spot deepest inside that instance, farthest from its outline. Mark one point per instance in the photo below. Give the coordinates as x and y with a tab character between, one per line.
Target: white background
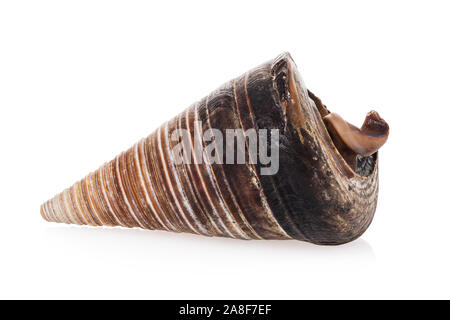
81	81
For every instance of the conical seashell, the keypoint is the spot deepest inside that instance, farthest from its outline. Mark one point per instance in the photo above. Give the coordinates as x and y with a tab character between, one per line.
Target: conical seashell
311	176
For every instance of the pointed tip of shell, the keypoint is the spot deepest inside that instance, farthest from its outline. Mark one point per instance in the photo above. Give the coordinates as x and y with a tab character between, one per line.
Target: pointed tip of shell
43	212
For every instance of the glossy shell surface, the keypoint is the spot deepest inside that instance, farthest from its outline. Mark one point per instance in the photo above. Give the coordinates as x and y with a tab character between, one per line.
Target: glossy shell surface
315	196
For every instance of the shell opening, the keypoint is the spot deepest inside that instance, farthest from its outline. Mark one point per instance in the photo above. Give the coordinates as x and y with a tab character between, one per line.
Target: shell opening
358	146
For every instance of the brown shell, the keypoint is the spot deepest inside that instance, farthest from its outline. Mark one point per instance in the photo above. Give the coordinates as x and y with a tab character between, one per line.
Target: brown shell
315	196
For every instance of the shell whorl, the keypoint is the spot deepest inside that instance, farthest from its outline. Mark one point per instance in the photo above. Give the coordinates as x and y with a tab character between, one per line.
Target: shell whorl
144	187
313	197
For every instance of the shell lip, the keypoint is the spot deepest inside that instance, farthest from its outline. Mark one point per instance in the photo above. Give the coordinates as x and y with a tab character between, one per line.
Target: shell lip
363	165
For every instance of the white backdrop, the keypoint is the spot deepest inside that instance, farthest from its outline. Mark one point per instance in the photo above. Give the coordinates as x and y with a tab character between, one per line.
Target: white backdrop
81	81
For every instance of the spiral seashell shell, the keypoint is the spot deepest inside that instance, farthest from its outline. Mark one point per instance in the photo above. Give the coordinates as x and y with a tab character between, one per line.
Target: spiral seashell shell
316	195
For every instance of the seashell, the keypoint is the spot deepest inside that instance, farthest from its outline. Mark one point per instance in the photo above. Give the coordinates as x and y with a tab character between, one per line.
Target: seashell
319	184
